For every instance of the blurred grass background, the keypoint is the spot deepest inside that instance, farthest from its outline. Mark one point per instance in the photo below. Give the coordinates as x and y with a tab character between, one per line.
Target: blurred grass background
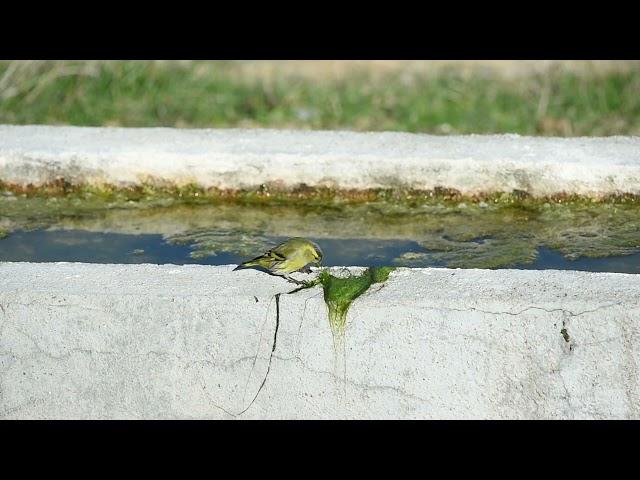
567	98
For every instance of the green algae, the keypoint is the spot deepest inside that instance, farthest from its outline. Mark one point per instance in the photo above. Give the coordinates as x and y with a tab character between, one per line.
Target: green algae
490	231
473	236
153	189
341	291
508	235
207	243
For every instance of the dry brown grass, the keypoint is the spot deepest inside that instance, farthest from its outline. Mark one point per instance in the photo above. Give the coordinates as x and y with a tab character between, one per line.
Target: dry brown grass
332	70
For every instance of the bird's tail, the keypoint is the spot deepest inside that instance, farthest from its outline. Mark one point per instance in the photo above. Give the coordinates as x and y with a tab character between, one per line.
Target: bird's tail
248	263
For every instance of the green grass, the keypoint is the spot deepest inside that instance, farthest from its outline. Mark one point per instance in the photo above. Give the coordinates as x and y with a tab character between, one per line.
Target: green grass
214	94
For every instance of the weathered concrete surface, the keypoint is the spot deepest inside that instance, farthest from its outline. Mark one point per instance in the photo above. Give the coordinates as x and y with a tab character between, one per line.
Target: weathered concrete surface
248	158
148	341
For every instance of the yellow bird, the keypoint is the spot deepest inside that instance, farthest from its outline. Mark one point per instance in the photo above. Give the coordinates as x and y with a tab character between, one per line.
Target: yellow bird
295	255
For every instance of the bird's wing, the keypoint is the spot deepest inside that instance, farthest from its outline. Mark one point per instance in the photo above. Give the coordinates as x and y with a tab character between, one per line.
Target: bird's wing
276	254
275	257
280	252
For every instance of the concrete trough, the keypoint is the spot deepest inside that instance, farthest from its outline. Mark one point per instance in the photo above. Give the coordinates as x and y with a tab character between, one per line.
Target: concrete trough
166	341
237	159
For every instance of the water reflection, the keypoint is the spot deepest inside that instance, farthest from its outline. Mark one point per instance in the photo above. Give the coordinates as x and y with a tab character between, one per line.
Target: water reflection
96	247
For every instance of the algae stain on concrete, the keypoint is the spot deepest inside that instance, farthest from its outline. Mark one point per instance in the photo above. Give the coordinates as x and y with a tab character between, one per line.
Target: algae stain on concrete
340	292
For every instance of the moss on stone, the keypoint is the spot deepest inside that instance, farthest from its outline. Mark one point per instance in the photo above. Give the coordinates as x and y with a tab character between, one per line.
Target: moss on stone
340	292
507	235
156	188
484	231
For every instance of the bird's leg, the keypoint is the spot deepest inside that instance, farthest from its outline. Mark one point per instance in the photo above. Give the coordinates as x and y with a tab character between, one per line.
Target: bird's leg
293	280
306	269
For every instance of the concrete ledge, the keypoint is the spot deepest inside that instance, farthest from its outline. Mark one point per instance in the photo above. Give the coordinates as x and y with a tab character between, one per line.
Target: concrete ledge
149	341
248	158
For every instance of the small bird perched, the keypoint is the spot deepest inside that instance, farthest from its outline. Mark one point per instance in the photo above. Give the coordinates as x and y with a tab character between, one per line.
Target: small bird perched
294	255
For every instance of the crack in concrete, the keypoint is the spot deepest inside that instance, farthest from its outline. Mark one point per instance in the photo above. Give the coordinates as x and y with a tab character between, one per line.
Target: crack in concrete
362	386
273	349
567	397
304	311
532	307
567	314
92	352
212	402
58	305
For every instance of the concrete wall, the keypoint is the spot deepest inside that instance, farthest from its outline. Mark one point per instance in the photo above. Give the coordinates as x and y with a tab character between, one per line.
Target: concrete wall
248	158
148	341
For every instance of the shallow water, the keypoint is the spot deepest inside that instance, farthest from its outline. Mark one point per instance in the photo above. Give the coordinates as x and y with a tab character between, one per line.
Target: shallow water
578	234
97	247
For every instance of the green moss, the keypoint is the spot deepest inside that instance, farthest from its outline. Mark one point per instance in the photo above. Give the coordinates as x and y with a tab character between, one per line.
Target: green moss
509	234
340	292
206	242
3	234
490	231
398	198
